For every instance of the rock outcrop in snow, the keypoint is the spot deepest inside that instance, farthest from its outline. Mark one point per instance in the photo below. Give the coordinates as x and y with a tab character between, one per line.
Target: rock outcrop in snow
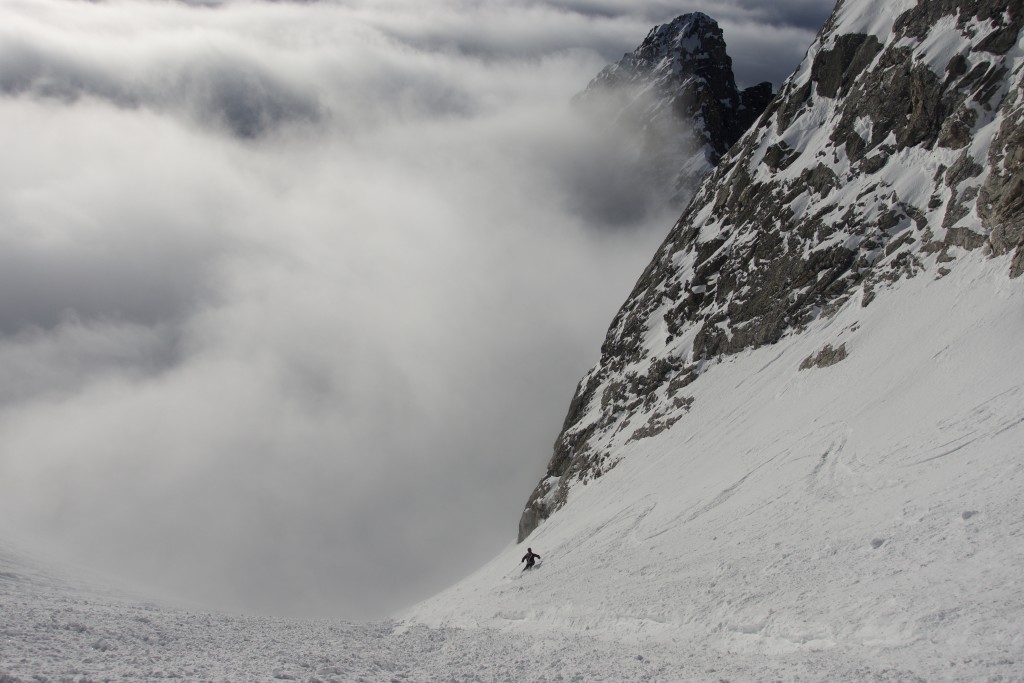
895	149
677	88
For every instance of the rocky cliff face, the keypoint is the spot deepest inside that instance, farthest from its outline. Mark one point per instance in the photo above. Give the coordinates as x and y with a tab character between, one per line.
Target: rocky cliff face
679	91
896	148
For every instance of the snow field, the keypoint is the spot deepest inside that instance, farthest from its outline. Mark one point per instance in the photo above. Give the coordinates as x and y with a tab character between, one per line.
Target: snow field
57	628
867	516
858	522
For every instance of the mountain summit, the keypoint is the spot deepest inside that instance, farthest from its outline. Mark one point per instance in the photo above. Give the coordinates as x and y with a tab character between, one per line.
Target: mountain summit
678	90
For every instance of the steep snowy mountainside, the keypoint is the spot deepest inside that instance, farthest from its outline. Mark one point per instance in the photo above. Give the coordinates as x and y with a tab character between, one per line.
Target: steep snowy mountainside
678	89
894	151
856	522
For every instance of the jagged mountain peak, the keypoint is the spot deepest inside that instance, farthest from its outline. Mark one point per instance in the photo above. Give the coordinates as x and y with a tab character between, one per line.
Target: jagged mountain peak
686	41
677	89
679	46
894	151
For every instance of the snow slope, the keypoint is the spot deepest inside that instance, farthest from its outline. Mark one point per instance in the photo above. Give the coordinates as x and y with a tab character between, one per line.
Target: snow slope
856	522
55	626
862	521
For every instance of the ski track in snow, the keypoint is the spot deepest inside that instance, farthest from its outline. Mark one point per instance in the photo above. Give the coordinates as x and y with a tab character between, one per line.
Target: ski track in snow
58	629
863	521
860	522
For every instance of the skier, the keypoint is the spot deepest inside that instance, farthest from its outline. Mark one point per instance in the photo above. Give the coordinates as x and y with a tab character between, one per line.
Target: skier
529	558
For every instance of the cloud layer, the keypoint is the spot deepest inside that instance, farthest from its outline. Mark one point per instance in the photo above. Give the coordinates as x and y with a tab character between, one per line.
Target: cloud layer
296	294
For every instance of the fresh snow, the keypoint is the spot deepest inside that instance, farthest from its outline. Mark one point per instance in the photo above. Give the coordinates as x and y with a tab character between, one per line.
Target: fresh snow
856	522
56	627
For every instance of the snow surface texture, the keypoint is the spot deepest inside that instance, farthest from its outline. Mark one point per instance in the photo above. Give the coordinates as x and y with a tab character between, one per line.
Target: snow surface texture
861	521
857	522
56	627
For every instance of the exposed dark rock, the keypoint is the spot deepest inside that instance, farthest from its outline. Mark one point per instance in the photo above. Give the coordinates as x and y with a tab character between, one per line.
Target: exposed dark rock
826	357
965	238
874	163
541	505
957	207
753	101
956	130
835	70
678	88
1001	197
779	156
821	178
790	103
660	421
963	169
1008	18
1017	264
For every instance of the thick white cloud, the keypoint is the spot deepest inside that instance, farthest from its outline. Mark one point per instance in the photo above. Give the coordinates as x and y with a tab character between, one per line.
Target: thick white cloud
296	294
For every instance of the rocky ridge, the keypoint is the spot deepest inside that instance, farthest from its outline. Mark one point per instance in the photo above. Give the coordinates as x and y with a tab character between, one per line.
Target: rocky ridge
896	148
678	90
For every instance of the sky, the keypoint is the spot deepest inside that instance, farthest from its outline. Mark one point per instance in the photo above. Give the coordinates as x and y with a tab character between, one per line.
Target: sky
295	295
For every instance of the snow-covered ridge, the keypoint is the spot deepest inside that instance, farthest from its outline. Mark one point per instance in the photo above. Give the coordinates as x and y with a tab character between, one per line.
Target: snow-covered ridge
894	151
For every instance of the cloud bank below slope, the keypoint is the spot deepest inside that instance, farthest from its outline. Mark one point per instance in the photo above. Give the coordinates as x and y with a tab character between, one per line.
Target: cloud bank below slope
272	335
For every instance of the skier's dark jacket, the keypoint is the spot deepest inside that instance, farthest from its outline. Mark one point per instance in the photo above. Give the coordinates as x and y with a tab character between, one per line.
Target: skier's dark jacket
529	557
